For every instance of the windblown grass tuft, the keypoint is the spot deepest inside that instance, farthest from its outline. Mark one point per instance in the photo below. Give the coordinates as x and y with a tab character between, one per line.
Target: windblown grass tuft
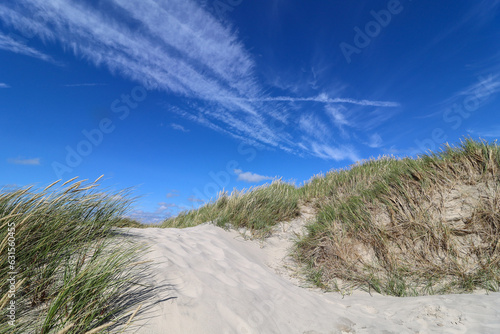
73	275
257	209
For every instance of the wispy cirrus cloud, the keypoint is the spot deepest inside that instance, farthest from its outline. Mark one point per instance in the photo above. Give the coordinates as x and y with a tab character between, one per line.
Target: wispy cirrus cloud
314	127
493	132
329	152
91	84
194	199
179	48
336	115
483	88
4	85
325	99
178	127
375	141
173	193
477	93
251	177
21	161
9	44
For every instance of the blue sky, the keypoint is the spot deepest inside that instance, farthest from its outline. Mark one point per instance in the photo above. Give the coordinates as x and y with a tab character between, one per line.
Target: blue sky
184	98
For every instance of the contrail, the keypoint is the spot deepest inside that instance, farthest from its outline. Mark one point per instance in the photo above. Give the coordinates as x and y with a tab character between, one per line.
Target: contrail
324	99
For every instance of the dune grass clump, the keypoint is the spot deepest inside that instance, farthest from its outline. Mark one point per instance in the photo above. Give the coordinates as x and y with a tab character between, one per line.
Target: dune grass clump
72	273
338	184
257	209
405	227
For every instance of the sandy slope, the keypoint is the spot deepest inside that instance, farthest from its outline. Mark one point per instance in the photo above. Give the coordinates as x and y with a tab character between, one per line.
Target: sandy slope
221	283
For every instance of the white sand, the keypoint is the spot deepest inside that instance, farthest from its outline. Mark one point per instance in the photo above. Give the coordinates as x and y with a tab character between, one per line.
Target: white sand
221	283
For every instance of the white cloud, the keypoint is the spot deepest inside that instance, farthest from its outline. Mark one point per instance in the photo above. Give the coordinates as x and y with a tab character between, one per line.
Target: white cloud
173	193
328	152
164	206
178	127
314	127
4	85
251	177
493	132
324	98
375	141
194	199
336	116
371	120
20	161
176	47
85	85
9	44
479	92
483	89
163	211
147	217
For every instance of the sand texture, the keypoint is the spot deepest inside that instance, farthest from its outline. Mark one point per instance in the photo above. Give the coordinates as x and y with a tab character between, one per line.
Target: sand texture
217	281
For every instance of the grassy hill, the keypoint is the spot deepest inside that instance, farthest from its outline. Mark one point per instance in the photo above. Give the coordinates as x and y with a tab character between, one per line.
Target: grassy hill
401	227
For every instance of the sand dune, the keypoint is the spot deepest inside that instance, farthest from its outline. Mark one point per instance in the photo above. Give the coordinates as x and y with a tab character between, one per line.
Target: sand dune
218	282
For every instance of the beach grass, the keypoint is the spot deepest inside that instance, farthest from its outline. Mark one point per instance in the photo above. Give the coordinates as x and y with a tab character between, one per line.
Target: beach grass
71	273
407	227
396	226
257	209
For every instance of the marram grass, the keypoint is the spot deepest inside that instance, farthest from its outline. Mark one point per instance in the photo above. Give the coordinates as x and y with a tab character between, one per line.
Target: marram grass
257	209
421	226
73	274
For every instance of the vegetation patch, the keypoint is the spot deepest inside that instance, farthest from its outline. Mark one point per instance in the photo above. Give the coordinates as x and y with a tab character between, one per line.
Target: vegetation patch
71	273
257	209
409	226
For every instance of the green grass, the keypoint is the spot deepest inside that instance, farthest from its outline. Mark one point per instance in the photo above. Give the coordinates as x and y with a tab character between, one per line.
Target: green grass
386	228
257	209
73	272
384	224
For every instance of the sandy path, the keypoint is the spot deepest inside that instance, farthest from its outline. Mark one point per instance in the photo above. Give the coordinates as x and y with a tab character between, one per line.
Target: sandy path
221	283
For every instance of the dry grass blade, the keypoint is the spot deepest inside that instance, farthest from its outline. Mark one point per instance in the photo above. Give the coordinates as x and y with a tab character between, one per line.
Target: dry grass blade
133	315
74	187
88	187
66	329
51	185
100	177
69	181
100	328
